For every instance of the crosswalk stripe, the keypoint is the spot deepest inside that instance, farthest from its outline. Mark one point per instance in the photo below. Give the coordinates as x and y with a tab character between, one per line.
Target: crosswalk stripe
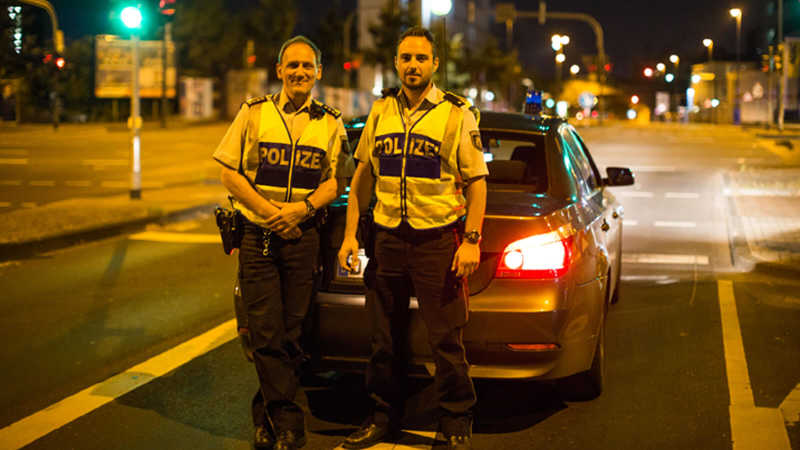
38	424
655	258
185	238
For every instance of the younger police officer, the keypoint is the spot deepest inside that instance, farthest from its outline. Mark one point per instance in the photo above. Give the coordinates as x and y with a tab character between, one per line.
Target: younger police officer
421	151
280	160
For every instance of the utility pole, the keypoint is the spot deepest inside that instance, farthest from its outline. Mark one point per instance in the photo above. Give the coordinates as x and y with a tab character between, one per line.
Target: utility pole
505	12
784	58
164	66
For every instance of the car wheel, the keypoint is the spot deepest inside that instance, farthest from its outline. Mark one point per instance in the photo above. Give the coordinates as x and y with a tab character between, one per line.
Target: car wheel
588	385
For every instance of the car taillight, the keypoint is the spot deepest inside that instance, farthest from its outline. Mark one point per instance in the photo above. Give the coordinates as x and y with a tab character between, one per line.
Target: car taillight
539	256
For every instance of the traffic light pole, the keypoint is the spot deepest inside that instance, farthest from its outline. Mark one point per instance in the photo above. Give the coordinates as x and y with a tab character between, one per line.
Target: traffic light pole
596	27
167	37
136	121
784	59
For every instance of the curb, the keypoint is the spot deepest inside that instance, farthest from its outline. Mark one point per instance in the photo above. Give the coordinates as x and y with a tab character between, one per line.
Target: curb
28	249
741	256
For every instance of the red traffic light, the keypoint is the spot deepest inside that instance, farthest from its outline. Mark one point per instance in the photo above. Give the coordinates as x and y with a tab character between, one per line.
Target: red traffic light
634	99
648	72
607	67
167	7
47	58
348	65
60	62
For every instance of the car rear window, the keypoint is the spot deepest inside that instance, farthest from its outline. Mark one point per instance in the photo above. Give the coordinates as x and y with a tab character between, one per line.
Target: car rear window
515	160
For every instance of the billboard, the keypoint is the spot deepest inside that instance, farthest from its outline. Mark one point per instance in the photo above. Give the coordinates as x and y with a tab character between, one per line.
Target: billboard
114	67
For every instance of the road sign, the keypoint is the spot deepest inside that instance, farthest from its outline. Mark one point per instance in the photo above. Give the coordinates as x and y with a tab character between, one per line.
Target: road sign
114	66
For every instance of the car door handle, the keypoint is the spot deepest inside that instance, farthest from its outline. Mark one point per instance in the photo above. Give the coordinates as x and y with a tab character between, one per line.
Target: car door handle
605	226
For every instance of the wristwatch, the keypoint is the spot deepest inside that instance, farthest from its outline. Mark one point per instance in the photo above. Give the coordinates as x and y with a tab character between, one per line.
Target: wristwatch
473	237
310	210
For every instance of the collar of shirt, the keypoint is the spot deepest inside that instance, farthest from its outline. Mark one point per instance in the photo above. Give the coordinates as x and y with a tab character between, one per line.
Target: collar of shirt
433	97
287	107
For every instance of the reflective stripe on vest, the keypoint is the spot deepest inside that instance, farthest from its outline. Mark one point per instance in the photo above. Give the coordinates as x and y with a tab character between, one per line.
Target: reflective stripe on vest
417	168
289	170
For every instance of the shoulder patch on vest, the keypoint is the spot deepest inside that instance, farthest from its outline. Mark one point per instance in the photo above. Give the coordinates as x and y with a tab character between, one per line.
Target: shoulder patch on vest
329	109
454	99
257	100
390	92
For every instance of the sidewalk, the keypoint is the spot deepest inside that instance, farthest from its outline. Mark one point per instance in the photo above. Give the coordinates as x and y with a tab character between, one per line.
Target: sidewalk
26	232
767	200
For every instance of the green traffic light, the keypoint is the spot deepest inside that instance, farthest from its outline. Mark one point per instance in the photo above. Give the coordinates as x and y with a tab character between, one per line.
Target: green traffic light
669	77
131	17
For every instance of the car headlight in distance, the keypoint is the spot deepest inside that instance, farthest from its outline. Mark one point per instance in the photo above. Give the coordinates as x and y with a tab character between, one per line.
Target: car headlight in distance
536	257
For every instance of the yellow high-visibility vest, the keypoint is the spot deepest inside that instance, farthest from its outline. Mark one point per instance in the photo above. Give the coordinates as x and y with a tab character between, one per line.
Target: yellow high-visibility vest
416	167
289	170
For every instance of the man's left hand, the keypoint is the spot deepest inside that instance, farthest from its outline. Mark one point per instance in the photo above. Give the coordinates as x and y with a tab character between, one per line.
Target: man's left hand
466	260
289	216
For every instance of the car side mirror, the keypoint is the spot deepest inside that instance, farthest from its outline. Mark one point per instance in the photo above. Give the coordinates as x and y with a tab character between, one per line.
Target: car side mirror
618	176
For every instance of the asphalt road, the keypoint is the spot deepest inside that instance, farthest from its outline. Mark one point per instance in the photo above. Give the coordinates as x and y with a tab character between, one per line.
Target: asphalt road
73	318
39	165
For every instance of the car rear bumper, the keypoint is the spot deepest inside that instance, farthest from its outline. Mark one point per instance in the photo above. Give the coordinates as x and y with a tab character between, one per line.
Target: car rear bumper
342	327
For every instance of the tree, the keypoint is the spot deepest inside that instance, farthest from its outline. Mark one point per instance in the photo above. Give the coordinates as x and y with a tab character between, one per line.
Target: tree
488	67
392	21
211	35
329	36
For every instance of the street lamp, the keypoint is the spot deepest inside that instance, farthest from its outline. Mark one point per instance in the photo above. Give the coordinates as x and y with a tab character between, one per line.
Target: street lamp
736	13
709	44
131	16
574	69
442	8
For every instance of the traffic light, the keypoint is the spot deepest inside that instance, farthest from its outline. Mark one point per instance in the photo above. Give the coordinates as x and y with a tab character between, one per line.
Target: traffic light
648	72
351	65
634	99
779	58
167	8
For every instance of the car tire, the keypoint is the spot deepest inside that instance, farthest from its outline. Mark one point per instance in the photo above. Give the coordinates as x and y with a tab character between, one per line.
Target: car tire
588	385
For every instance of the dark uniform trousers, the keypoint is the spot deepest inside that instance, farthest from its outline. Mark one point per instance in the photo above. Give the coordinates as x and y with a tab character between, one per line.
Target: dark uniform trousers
407	257
276	291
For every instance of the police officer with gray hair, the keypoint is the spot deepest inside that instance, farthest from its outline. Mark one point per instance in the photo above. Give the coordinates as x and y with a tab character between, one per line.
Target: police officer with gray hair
280	159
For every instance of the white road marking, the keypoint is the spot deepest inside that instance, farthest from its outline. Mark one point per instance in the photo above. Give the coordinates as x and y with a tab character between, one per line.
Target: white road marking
47	183
653	169
38	424
630	223
682	195
760	193
105	162
752	428
10	182
115	184
645	277
14	161
189	238
790	406
431	435
636	194
655	258
78	183
672	224
13	152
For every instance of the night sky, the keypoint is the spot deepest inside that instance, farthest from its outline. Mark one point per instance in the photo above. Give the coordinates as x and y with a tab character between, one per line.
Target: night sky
637	32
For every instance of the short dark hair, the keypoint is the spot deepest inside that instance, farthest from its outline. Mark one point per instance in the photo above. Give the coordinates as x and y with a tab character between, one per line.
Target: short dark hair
303	40
418	32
